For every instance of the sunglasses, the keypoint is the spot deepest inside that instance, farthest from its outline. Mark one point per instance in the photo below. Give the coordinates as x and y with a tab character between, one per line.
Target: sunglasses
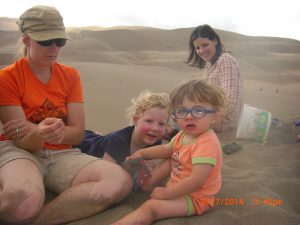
59	42
197	112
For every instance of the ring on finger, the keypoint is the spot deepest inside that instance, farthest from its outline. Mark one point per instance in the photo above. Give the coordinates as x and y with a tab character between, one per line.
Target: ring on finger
17	130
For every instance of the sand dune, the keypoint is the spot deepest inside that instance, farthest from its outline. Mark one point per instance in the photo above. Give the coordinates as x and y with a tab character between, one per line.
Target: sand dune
117	63
8	24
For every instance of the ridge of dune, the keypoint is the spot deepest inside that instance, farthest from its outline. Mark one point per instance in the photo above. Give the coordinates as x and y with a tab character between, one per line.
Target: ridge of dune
8	24
99	28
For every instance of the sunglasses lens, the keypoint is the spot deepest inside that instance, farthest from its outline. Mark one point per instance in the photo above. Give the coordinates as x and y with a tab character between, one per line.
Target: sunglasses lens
45	43
59	42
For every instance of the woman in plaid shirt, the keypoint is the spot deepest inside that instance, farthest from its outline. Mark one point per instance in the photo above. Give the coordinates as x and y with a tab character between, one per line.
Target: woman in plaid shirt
207	52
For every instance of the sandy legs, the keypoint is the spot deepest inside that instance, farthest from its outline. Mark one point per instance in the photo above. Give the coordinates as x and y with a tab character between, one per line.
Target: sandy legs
92	190
22	192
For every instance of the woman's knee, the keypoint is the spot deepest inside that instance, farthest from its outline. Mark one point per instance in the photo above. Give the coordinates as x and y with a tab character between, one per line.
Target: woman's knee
121	184
115	186
113	183
21	204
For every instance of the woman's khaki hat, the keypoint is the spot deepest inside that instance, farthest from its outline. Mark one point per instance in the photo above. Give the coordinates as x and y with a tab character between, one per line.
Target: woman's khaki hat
42	23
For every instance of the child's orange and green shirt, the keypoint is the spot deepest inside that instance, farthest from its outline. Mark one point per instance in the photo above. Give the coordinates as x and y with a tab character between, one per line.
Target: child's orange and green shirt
206	149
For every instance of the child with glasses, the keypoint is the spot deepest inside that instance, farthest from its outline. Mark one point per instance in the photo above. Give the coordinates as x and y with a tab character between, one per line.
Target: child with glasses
195	153
148	115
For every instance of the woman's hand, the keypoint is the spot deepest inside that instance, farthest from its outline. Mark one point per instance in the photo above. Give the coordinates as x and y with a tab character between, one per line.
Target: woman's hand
51	130
17	128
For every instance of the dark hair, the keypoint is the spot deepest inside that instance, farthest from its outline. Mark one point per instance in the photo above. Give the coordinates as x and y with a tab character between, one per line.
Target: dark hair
203	31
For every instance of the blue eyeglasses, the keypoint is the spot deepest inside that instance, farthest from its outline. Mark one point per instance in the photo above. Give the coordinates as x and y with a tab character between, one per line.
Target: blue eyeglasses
197	112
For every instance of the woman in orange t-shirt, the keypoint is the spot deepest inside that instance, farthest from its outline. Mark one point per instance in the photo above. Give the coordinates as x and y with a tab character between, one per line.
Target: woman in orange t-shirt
42	112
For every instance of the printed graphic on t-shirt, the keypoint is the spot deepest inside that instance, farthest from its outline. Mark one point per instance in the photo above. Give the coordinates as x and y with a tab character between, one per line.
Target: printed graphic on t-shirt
176	164
47	109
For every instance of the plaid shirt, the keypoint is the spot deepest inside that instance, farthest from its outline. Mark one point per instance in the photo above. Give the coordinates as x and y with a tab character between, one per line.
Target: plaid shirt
225	74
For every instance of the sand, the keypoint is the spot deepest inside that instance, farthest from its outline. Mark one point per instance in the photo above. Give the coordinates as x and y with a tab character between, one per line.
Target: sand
261	182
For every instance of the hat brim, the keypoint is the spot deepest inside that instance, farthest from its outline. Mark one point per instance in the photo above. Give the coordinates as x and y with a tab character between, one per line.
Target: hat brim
47	35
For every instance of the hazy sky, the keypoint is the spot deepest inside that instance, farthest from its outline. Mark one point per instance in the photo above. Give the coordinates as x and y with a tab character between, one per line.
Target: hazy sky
278	18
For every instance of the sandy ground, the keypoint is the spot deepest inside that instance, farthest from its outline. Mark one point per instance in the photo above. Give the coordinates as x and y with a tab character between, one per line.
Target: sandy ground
117	64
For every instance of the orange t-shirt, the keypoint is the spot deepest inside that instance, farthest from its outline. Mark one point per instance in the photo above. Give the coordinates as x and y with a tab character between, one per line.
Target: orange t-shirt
20	87
205	149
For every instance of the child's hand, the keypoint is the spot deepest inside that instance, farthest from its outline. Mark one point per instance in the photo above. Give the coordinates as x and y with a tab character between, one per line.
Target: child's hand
159	193
135	155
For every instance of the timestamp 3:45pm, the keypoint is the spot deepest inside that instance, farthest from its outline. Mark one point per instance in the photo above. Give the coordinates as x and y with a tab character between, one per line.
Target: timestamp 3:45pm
267	202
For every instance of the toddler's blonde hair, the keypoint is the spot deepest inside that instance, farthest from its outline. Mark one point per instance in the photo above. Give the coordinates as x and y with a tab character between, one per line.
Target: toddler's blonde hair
197	90
147	100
